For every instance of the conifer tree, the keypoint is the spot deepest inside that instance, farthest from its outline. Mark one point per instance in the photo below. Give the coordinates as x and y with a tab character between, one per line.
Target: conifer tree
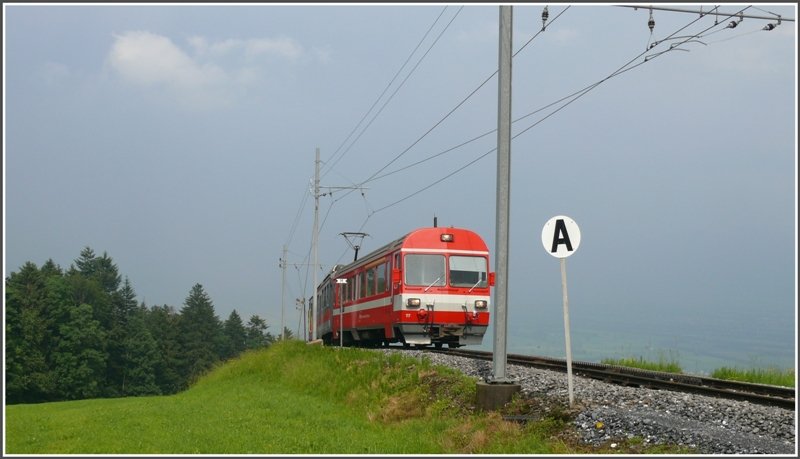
201	333
163	325
140	357
79	357
235	336
27	373
257	335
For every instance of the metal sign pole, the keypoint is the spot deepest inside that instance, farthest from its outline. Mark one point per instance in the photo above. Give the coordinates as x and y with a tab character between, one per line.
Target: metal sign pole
561	238
566	328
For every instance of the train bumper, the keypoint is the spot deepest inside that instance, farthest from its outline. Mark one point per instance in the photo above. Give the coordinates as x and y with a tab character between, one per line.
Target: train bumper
442	333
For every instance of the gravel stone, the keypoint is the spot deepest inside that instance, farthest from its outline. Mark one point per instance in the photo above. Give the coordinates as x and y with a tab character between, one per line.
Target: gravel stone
610	413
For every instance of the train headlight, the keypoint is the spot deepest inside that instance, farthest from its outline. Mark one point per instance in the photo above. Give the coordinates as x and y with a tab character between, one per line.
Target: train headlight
480	304
447	237
413	302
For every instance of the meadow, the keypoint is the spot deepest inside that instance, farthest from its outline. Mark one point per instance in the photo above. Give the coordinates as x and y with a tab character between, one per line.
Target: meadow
289	399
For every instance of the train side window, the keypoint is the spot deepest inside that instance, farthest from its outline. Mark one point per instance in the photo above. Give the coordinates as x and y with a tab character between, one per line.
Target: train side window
349	289
381	278
371	281
362	284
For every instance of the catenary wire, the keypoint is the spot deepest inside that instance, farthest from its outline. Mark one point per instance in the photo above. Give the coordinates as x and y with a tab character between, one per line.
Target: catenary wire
305	195
573	95
624	68
406	78
577	95
335	160
375	174
454	108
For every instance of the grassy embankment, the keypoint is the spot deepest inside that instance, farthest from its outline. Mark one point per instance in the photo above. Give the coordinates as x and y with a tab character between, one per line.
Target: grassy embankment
771	376
299	399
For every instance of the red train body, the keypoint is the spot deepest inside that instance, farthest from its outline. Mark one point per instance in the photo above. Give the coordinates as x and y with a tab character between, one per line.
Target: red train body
430	286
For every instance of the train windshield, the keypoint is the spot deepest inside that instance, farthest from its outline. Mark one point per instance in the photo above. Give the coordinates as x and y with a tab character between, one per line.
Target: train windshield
467	271
425	270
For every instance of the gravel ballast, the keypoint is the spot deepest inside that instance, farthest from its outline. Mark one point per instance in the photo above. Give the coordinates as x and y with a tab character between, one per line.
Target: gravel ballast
610	413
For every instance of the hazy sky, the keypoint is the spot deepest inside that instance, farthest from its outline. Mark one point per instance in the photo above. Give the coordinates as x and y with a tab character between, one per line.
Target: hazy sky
180	140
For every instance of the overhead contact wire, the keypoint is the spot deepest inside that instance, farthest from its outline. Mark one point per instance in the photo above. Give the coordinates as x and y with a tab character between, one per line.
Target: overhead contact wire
577	95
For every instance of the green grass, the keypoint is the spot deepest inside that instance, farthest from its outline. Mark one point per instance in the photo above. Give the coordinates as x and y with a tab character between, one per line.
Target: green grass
771	376
290	399
299	399
663	364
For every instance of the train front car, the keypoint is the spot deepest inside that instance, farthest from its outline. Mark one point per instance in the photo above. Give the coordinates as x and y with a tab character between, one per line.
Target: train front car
440	288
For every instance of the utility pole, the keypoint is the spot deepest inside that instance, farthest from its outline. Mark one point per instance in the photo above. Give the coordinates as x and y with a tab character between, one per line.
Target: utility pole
283	292
498	390
315	237
503	195
315	243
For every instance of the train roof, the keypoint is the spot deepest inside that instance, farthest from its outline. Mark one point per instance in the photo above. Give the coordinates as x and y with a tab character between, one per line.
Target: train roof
426	238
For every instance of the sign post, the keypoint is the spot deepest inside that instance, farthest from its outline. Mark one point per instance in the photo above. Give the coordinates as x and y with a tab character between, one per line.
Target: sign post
561	238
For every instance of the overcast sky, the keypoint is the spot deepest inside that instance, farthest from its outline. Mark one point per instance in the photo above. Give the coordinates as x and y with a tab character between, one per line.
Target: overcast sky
180	140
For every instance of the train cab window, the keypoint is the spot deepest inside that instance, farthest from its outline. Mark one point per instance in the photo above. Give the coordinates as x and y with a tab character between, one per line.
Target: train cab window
468	271
425	270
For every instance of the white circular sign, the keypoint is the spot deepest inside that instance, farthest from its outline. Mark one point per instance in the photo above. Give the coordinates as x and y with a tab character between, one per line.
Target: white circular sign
561	236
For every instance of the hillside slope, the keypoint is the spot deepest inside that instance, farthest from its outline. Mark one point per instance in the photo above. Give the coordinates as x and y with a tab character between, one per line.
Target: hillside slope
289	399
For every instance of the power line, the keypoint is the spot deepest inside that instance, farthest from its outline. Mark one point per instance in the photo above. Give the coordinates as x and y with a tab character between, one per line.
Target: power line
297	218
375	176
334	162
455	108
575	96
296	221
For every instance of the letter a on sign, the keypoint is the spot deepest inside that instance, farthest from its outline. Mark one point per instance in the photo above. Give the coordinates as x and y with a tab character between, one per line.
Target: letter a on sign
561	236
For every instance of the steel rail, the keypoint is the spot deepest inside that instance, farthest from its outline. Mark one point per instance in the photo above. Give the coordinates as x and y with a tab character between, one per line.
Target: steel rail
783	397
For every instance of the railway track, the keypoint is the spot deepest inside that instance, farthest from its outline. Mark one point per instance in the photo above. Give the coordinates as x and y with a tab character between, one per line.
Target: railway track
783	397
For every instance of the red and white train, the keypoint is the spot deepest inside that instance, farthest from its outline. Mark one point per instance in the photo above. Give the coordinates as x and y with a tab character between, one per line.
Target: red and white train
430	286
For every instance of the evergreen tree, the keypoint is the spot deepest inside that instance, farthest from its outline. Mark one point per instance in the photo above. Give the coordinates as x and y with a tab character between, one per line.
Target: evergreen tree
163	324
139	358
79	358
86	264
257	335
123	308
50	268
235	336
27	375
107	274
95	281
201	333
287	332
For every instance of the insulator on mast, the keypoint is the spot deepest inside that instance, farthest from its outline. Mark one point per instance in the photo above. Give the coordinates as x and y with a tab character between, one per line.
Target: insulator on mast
545	15
651	23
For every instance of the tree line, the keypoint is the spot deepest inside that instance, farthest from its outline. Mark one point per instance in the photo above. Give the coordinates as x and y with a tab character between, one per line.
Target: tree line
80	333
